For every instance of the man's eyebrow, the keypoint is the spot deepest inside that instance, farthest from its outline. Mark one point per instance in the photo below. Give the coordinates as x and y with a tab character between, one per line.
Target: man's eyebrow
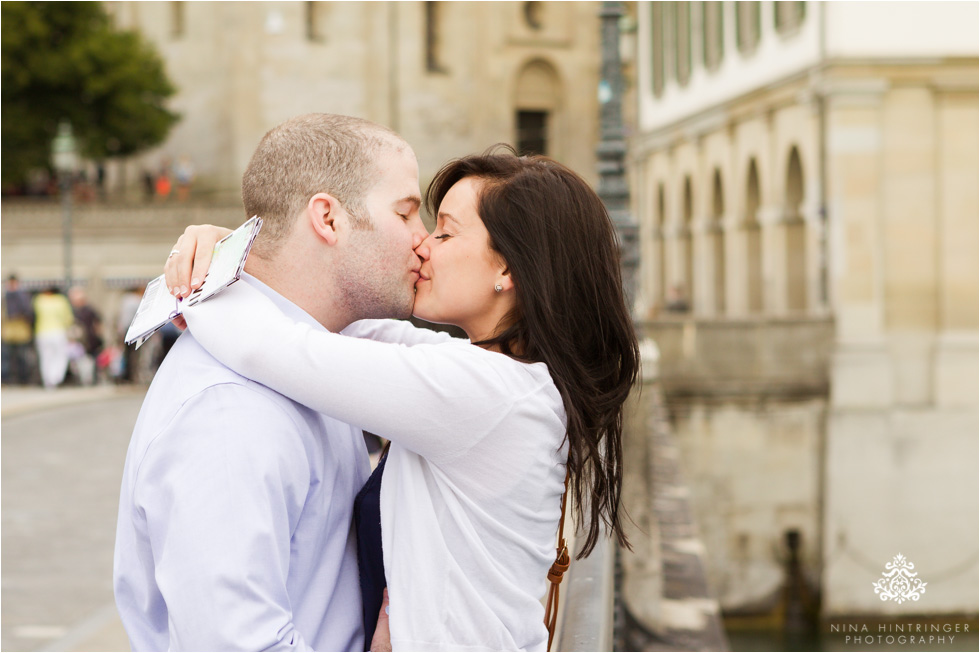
414	200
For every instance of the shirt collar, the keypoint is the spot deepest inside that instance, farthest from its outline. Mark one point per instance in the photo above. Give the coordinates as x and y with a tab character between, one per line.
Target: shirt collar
289	308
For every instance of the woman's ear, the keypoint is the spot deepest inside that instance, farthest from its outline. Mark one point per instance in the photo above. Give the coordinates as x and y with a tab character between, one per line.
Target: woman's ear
504	280
324	211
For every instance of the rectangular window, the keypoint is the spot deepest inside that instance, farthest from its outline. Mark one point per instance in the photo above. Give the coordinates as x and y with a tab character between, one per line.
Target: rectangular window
657	46
670	39
177	19
532	132
788	16
313	18
432	37
682	42
713	34
748	24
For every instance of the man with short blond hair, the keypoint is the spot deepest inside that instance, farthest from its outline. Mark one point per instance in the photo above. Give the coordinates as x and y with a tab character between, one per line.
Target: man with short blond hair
305	154
234	528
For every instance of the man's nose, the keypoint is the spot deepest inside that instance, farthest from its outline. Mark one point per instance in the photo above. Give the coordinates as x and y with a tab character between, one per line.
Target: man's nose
419	234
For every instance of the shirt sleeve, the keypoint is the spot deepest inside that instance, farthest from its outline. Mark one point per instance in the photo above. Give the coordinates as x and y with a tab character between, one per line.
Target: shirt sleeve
397	331
436	400
221	489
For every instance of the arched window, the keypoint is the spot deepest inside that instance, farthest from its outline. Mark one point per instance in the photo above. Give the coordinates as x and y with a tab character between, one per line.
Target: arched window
748	25
753	240
795	235
538	98
712	34
718	240
660	252
687	240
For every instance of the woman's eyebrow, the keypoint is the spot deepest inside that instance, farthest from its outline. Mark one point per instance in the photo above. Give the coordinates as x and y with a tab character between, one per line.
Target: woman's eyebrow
449	216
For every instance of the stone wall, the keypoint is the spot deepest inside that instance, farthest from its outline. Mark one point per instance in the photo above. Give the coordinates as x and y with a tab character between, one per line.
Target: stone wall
763	356
747	399
449	76
902	432
845	193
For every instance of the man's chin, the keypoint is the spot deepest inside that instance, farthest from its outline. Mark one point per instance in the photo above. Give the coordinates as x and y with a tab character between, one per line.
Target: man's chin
408	309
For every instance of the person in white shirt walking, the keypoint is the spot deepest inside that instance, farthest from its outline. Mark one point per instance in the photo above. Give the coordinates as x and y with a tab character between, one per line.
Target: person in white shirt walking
234	528
466	504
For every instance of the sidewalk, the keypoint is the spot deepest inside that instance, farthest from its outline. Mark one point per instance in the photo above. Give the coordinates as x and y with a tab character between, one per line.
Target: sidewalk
101	630
16	400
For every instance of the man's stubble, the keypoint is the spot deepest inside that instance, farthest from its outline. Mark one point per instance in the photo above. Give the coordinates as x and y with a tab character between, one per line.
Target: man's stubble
373	281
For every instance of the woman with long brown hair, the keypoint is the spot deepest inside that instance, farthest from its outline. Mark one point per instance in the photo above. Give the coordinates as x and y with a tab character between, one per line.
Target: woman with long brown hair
483	430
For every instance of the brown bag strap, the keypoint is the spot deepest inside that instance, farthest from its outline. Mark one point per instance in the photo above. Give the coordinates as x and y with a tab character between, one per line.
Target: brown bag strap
558	569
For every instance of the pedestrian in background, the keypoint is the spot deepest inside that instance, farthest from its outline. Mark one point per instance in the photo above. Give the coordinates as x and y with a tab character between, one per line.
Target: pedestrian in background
53	319
149	186
88	328
163	183
130	355
18	332
184	174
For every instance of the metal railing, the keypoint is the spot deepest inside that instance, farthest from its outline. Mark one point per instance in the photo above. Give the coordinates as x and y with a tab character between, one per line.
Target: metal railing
588	610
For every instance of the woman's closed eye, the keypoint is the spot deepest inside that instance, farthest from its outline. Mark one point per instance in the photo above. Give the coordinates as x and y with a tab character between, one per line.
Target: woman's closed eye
443	236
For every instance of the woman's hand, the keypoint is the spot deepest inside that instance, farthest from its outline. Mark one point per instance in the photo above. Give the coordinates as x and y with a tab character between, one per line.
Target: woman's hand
382	636
190	259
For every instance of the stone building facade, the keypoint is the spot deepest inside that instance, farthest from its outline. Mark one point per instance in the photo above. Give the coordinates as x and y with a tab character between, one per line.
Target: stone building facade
805	179
452	77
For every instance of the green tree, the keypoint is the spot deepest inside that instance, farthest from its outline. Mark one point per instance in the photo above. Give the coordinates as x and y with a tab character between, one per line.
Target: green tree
65	61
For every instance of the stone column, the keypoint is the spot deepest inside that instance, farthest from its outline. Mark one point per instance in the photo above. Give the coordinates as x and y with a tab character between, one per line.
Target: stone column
705	291
815	224
773	261
660	270
736	276
675	246
720	264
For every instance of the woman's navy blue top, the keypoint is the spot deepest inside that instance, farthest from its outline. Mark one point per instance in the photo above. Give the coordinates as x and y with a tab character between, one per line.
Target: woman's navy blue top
370	559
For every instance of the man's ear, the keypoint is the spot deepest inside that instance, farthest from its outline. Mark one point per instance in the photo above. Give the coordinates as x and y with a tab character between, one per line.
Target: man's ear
324	212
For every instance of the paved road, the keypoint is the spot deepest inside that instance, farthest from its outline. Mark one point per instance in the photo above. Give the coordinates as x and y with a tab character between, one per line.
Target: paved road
62	460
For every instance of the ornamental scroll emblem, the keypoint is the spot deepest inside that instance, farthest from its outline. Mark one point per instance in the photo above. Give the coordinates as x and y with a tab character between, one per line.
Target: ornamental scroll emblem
899	583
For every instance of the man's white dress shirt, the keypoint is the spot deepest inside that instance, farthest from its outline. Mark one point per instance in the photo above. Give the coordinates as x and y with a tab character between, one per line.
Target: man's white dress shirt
234	528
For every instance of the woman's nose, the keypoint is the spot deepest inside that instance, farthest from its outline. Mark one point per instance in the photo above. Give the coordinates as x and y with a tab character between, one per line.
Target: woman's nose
422	249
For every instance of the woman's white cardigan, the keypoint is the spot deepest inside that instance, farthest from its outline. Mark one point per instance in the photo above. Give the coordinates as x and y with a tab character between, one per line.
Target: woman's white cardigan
471	493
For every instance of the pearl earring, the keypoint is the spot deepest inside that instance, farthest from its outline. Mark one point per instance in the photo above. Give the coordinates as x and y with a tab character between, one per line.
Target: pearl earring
498	288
